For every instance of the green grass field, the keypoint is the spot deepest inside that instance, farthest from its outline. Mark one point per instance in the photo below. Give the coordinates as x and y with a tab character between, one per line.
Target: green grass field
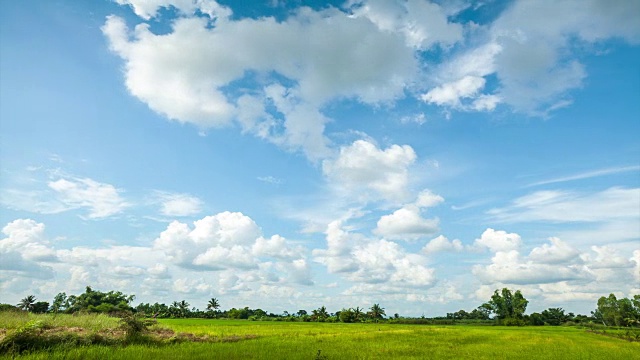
285	340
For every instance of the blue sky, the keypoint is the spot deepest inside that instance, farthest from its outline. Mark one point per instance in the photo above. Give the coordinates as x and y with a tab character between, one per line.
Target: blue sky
289	155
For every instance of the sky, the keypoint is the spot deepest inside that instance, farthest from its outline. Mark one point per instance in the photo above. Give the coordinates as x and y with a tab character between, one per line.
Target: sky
287	155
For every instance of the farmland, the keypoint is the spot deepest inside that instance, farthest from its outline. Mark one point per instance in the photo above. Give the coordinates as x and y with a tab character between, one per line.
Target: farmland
241	339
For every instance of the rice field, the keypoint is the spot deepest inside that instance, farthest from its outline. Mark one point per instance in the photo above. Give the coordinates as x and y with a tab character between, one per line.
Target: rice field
241	339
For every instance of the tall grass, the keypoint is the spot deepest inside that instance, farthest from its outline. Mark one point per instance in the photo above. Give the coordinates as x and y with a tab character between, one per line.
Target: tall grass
11	320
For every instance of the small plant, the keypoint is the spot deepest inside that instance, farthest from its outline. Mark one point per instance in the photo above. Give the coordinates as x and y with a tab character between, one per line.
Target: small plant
135	325
319	356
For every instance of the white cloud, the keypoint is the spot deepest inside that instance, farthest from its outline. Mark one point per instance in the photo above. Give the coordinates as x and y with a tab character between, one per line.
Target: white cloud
589	174
313	50
498	240
102	200
427	199
440	244
636	269
148	9
24	248
406	223
422	23
529	49
176	204
562	206
450	93
361	260
509	267
363	166
556	253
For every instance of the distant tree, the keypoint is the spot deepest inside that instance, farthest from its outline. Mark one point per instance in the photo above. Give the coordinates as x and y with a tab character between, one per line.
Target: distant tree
59	303
618	312
27	303
536	319
555	316
213	304
40	307
183	306
301	313
376	312
507	305
8	307
346	315
320	314
358	313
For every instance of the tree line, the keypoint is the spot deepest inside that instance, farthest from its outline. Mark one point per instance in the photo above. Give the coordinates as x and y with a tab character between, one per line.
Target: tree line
505	307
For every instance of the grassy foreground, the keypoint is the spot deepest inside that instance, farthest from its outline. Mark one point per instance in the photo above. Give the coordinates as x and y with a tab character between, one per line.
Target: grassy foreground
282	340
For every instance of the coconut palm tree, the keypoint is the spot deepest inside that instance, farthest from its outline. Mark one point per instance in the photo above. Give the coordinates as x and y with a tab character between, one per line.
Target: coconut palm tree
213	304
27	303
184	308
377	312
357	313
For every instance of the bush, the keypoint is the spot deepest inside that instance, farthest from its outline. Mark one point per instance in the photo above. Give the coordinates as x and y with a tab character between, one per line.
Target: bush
135	325
512	322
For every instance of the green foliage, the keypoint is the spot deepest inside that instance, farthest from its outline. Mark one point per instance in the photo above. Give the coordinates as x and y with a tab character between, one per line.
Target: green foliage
98	301
27	303
8	307
40	307
618	312
376	312
135	325
507	305
555	316
347	316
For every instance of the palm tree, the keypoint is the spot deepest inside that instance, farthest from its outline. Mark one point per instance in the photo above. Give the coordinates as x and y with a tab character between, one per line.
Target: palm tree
27	303
377	312
357	313
213	304
184	308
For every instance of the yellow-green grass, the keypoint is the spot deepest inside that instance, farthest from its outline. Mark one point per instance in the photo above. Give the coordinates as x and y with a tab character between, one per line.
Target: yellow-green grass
284	340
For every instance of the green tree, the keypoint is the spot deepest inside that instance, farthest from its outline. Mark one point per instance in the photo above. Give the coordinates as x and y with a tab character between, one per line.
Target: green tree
213	304
346	315
358	313
507	305
27	303
376	312
59	303
40	307
554	316
320	314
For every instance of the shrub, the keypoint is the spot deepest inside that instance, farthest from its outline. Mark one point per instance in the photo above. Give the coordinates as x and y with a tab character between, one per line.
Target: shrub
135	325
512	322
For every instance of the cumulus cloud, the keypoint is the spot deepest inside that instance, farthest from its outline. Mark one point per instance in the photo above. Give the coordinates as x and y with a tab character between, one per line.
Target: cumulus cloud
498	240
422	23
558	272
368	261
508	267
406	223
440	244
529	49
313	50
232	241
556	252
24	248
362	166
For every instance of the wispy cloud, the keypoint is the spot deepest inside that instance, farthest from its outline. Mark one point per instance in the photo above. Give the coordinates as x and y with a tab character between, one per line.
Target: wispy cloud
560	206
270	180
588	174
